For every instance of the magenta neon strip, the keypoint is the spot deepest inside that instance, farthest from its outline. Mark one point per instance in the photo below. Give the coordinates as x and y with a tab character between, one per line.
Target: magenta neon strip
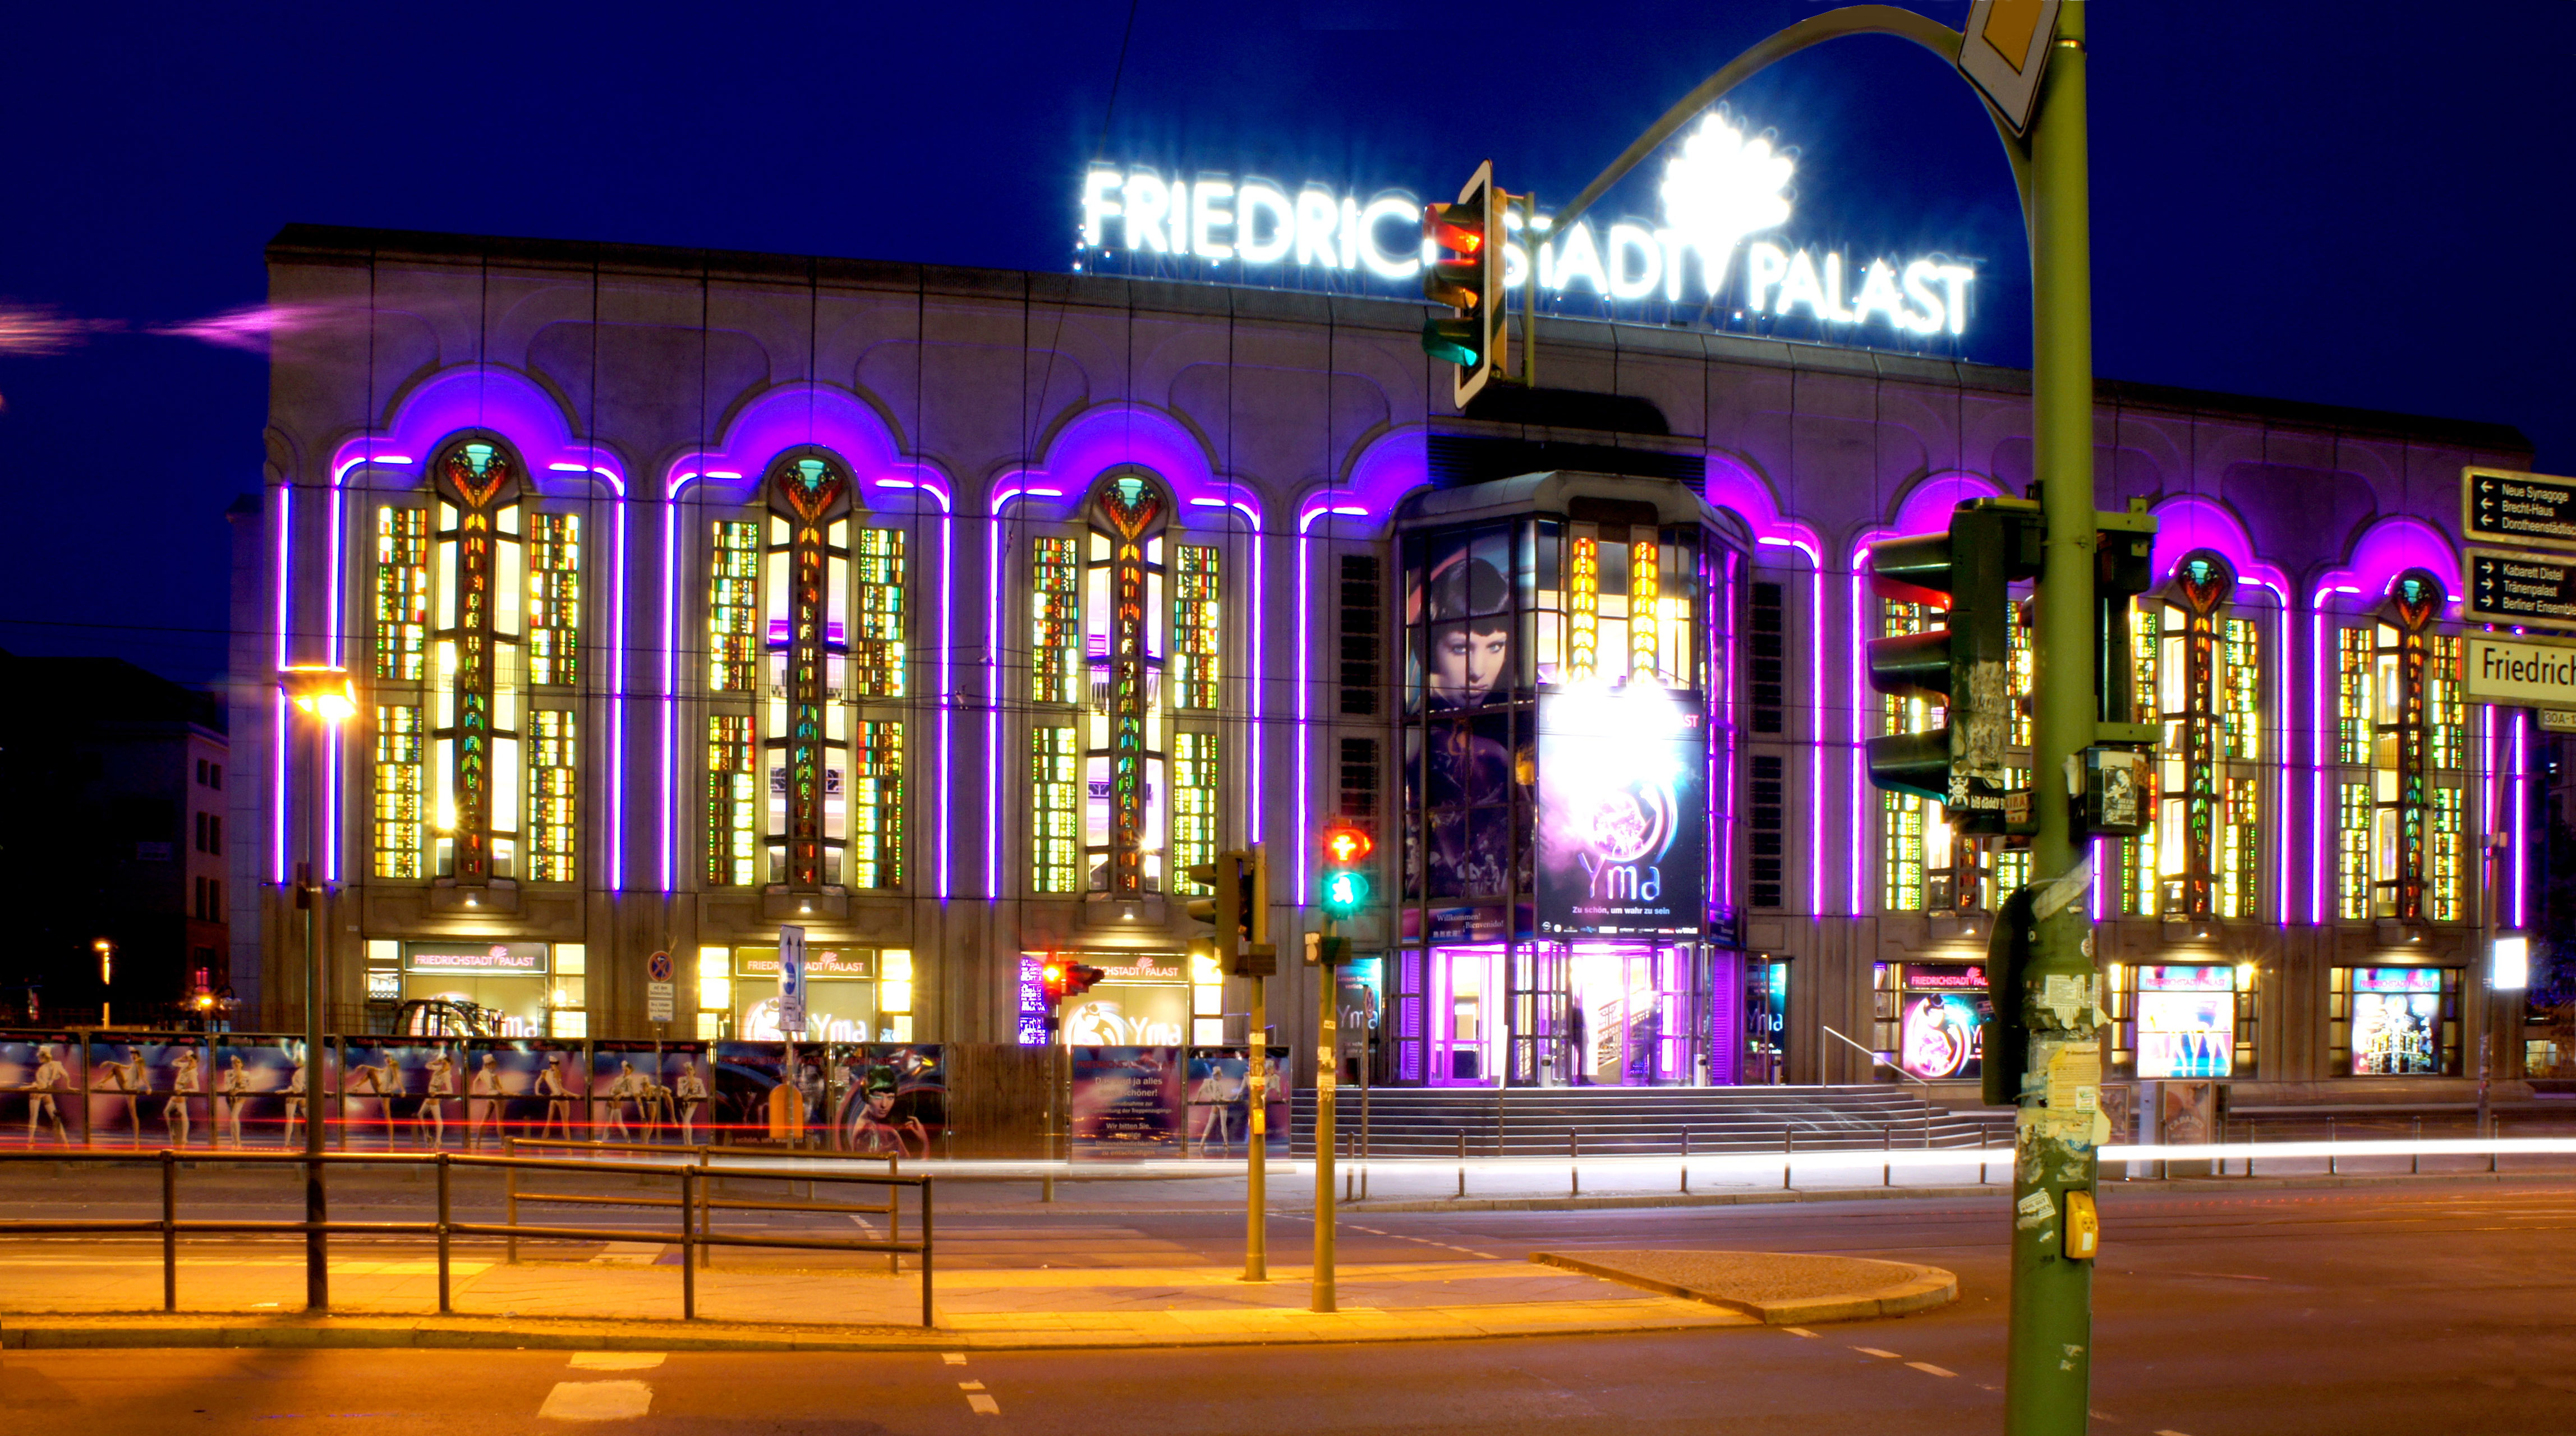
278	804
2521	812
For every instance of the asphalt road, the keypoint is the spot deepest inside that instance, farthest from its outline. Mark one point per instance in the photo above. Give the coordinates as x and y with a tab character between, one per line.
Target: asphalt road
2442	1308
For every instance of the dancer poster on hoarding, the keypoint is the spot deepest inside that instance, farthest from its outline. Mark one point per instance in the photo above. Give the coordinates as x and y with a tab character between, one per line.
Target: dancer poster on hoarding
385	1094
1219	1119
40	1079
148	1091
1621	821
893	1098
1126	1103
626	1091
256	1091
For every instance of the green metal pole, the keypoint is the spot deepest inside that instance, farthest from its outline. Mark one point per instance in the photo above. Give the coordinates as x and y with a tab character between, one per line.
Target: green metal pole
2048	1368
1327	1072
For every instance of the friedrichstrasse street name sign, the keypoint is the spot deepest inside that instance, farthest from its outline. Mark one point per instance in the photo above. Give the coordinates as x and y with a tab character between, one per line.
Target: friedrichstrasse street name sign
2524	510
2517	670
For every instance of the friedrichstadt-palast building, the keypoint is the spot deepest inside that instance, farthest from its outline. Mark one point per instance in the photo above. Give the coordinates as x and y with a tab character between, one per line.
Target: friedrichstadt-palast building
952	615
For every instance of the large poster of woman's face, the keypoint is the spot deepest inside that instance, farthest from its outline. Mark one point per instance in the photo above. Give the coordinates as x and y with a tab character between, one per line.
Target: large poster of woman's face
1458	623
1460	768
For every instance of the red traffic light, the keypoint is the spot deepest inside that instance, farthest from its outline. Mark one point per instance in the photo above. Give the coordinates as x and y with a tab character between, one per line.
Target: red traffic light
1078	979
1054	978
1345	846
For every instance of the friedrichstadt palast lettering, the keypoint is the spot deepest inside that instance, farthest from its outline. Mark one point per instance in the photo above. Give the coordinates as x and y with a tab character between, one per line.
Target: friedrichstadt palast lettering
1719	192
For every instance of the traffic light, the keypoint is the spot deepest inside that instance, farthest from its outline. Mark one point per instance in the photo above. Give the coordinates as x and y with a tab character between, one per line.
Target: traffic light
1058	973
2004	1043
1079	977
1965	665
1346	886
1467	275
1238	911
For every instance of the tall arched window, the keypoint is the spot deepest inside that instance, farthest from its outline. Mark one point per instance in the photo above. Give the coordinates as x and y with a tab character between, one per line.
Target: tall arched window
2402	740
1926	864
1126	673
2199	664
807	615
477	610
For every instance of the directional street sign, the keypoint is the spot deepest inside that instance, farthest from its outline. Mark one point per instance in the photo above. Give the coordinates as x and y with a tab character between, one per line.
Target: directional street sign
2520	670
2525	510
2521	588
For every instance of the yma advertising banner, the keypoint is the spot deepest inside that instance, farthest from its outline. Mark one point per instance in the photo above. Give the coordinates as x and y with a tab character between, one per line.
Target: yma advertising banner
1622	813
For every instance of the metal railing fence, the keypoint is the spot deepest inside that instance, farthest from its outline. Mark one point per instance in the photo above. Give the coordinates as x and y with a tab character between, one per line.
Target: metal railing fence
695	1206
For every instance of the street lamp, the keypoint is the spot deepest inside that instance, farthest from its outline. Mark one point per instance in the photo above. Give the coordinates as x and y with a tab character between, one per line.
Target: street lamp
328	697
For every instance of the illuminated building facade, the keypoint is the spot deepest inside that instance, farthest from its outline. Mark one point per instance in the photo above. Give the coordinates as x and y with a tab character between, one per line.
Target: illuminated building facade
954	615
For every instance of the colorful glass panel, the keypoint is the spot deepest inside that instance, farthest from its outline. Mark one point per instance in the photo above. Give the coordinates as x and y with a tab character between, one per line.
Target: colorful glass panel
1055	627
1055	822
402	592
733	802
877	648
733	609
553	779
1198	628
401	818
876	805
554	599
1194	806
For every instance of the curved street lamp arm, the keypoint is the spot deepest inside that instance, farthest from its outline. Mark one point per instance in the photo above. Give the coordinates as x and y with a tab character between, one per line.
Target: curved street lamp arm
1904	24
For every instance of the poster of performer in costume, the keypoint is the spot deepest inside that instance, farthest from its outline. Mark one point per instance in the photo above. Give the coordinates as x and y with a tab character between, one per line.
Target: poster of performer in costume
629	1102
893	1098
769	1091
39	1079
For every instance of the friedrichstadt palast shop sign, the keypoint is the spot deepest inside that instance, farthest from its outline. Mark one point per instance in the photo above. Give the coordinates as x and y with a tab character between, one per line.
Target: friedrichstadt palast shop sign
1721	194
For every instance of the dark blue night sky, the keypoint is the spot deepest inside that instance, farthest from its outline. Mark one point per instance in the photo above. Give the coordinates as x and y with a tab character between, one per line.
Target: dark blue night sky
2345	203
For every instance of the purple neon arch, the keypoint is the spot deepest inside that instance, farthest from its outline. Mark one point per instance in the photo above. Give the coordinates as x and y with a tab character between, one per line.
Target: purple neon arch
507	402
2385	550
1925	507
1097	442
883	479
1393	465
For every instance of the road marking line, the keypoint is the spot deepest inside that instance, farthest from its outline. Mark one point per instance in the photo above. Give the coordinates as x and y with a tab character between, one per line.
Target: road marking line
970	1385
617	1360
1928	1369
2169	1433
983	1405
597	1401
1798	1331
1874	1351
953	1358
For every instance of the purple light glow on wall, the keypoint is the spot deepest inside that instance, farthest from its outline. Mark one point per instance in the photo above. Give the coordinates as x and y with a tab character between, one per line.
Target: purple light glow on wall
788	417
277	806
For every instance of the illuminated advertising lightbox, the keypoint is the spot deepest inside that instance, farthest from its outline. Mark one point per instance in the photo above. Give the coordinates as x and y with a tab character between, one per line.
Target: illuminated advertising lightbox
1621	816
2396	1021
2186	1034
1939	1036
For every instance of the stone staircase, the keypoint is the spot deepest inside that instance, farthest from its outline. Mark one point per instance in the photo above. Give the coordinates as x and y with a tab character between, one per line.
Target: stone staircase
1645	1121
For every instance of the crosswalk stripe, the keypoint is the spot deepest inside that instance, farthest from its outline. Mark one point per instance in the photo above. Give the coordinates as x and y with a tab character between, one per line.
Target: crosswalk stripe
597	1401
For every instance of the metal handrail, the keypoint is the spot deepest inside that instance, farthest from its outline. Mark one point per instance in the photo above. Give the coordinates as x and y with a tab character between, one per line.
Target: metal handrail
892	1211
1878	1061
694	1207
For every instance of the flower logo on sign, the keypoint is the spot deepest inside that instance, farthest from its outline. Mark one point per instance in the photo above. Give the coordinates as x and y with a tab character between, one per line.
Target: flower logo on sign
1722	187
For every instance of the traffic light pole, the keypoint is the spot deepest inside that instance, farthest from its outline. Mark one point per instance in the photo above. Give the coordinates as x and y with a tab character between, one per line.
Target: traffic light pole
1256	1219
1327	1063
2048	1365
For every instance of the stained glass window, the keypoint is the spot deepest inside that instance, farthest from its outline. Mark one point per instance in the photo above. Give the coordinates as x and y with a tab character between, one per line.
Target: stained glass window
1645	595
1194	806
733	802
1582	604
1198	629
876	805
552	769
807	638
1055	826
2353	812
733	609
554	599
2352	695
2199	673
1123	638
401	829
877	648
402	592
1916	848
1055	630
479	675
2415	722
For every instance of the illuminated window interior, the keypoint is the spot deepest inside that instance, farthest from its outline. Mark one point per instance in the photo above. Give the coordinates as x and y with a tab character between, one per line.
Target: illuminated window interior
2200	672
402	592
554	599
401	829
552	773
1198	628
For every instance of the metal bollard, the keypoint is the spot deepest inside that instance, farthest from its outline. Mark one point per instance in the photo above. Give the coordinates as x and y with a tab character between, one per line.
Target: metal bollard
2330	1145
443	1207
510	1209
1574	1162
1788	1153
2494	1135
1462	1164
2415	1160
706	1212
689	1243
1887	1164
169	1231
1686	1146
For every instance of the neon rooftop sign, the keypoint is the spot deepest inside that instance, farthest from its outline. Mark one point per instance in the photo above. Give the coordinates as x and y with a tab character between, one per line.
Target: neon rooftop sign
1722	194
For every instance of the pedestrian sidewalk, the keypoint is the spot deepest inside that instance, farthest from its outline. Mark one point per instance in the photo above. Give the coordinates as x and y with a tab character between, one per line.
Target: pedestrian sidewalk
246	1295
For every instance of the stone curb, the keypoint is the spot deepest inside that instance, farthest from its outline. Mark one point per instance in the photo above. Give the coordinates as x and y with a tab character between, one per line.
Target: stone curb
143	1332
1930	1286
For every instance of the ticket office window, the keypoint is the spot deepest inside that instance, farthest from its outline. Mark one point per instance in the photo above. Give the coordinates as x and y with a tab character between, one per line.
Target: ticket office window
2394	1021
2182	1020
